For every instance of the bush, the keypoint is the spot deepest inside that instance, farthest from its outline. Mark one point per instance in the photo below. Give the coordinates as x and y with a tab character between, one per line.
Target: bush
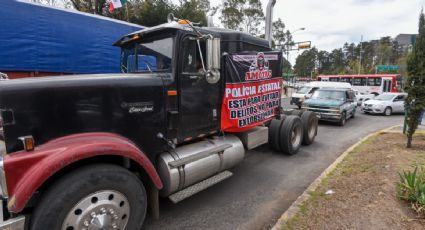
411	188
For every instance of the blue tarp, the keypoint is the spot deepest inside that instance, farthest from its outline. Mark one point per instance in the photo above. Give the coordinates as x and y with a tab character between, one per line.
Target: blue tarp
36	37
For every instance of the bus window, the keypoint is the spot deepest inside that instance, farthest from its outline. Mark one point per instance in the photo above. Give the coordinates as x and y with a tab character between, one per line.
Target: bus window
373	81
359	81
346	79
335	79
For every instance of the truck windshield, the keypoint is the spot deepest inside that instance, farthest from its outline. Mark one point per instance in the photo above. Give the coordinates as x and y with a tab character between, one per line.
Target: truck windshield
329	95
153	56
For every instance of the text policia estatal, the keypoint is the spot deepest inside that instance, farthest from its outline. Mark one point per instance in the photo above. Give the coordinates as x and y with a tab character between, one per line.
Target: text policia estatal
253	103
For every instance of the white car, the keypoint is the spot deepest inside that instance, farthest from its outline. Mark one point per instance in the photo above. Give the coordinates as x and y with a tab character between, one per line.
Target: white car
386	103
363	97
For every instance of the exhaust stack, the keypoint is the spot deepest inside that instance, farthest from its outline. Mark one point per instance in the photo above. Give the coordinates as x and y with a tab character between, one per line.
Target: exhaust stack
269	21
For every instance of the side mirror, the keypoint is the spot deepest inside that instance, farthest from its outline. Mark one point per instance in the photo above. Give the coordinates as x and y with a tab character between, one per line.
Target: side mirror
213	60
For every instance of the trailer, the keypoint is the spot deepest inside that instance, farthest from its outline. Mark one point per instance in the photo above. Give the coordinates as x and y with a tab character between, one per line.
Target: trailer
39	40
95	151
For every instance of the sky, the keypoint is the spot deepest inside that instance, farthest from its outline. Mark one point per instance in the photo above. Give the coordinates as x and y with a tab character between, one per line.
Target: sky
331	23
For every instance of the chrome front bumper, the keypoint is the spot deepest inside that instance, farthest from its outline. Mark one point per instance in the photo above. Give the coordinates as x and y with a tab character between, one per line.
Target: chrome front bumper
326	114
17	223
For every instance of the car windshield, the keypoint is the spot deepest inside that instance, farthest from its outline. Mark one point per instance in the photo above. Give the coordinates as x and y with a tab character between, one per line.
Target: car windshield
384	97
303	90
329	95
154	56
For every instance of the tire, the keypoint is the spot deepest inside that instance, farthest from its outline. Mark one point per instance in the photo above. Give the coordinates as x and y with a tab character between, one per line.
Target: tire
343	119
354	113
297	112
77	193
274	133
310	123
388	111
291	135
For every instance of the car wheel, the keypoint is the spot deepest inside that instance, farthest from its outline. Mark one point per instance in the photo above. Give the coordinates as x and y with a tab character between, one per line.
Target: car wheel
102	196
354	113
310	123
291	135
388	111
343	119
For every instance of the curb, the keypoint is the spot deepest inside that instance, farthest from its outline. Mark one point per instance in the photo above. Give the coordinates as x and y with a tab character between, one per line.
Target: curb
294	208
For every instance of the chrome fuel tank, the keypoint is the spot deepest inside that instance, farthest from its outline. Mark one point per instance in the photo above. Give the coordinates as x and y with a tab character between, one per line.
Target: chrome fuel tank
195	162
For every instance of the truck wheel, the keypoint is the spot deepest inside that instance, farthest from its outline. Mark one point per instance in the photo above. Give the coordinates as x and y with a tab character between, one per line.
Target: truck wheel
274	133
343	119
291	135
102	196
310	122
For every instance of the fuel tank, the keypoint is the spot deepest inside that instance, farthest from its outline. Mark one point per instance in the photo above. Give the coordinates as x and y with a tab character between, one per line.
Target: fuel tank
195	162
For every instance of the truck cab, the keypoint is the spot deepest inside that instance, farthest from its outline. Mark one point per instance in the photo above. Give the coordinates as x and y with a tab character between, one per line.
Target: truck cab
92	151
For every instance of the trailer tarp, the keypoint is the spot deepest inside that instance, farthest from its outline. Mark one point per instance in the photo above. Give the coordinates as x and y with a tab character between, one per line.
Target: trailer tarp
35	37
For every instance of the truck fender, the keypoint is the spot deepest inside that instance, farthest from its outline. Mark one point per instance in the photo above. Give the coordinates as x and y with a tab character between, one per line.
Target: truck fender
27	171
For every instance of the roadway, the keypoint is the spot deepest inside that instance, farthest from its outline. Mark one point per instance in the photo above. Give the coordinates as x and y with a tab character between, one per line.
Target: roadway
266	183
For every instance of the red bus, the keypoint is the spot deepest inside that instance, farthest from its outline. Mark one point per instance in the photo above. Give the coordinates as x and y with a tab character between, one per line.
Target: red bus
368	83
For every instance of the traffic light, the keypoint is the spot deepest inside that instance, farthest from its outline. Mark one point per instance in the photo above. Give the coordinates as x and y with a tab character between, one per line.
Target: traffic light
304	45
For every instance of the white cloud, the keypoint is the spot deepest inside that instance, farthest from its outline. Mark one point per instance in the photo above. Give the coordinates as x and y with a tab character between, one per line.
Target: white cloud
331	23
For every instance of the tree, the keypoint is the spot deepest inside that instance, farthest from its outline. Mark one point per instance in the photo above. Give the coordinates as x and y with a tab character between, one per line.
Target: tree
415	84
243	15
194	10
252	17
305	63
279	34
232	13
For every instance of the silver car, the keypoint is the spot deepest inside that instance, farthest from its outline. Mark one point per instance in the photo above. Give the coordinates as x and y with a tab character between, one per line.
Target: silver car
387	104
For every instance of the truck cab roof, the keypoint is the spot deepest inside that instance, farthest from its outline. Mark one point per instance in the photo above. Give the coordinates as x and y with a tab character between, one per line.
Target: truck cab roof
226	35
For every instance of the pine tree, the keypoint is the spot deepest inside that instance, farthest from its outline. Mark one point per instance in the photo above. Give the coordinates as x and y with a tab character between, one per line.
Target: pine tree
415	84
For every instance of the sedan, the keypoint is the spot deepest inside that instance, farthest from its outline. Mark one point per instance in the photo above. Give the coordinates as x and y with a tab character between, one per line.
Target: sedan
386	104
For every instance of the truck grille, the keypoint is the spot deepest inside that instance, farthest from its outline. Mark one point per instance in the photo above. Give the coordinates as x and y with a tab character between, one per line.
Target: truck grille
319	107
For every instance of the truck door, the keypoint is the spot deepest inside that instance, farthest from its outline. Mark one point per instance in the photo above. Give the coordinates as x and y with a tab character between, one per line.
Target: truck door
199	101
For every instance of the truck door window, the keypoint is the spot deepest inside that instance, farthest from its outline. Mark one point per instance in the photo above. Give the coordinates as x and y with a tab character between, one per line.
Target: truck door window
192	62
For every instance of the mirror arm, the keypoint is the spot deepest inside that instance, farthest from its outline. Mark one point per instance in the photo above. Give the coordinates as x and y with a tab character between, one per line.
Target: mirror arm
200	54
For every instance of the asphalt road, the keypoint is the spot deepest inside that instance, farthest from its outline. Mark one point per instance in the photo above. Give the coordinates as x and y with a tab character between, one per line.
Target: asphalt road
266	183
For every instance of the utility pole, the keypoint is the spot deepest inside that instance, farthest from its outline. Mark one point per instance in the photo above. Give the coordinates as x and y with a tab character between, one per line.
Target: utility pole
361	50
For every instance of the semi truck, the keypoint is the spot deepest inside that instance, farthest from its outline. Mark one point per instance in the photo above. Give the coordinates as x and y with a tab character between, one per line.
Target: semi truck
99	151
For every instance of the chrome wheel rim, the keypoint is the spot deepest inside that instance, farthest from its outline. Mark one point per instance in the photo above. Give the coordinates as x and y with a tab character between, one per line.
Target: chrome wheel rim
102	210
312	130
387	112
296	136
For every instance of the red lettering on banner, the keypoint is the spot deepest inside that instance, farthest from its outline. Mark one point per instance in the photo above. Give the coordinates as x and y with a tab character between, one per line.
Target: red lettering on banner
258	75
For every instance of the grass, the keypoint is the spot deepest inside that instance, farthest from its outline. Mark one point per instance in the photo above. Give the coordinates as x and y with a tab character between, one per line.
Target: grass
411	188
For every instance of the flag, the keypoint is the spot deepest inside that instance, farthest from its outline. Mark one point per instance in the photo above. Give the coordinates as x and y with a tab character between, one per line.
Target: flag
116	4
